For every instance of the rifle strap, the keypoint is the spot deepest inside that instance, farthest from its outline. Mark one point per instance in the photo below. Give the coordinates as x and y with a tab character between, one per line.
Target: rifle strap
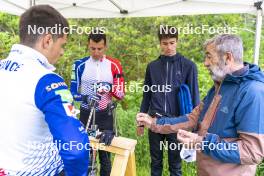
210	114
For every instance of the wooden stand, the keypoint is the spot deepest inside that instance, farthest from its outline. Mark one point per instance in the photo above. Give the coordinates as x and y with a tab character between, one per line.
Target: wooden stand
124	162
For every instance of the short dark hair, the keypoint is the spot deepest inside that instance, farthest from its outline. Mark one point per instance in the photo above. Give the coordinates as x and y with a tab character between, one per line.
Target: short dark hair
41	16
97	35
162	34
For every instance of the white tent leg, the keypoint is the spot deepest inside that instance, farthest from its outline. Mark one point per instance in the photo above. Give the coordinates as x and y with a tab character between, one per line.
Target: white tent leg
32	3
258	36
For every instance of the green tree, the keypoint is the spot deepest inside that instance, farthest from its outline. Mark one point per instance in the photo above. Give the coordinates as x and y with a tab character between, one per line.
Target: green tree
134	41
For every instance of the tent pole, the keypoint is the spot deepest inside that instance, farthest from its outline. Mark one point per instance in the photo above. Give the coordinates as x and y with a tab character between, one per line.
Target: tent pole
258	32
122	11
32	3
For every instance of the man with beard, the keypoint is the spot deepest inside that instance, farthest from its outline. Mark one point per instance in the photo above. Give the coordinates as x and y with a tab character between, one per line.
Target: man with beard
233	142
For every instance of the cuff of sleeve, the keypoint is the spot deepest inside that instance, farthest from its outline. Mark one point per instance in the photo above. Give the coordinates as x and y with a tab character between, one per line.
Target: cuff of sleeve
172	120
77	97
154	124
207	139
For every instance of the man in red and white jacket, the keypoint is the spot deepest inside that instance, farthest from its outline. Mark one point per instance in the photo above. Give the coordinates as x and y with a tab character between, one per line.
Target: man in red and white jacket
100	77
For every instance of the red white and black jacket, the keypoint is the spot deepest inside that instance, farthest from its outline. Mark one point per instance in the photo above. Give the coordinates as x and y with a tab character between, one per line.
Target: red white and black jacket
88	72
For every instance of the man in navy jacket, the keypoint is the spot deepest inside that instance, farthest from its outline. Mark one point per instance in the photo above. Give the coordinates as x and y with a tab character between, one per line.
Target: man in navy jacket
163	77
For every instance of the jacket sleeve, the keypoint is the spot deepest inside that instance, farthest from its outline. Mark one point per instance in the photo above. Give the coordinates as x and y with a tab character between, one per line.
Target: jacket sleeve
56	102
118	87
146	95
75	82
173	124
192	82
249	117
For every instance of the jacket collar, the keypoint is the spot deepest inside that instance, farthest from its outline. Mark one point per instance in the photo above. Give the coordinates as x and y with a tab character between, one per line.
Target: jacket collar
169	58
249	72
98	60
30	53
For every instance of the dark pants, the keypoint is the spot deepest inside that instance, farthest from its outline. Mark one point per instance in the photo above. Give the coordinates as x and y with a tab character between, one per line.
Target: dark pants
104	122
156	153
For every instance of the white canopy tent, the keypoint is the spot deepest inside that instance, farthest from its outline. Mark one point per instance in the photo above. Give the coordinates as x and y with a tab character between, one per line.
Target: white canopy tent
144	8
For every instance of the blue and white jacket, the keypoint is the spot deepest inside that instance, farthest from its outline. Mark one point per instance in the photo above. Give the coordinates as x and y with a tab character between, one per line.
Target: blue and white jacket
39	132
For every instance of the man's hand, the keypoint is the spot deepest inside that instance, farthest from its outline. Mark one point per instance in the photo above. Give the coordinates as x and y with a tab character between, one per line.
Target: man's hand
190	140
144	119
88	98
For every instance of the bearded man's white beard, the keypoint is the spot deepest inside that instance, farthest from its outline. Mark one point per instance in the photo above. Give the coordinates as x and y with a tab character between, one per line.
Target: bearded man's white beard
218	72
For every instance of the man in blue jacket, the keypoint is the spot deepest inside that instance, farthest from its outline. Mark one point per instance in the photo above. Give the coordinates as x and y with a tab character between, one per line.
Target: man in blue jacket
234	142
167	73
39	131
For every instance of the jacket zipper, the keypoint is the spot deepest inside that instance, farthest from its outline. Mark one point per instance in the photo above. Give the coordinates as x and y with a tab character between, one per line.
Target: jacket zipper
166	86
97	76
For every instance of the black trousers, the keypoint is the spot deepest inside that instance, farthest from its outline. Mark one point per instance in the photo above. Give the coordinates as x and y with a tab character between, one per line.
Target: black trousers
102	119
104	122
156	142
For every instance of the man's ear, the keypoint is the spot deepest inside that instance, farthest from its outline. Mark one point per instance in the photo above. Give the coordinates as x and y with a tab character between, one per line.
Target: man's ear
87	47
47	41
229	58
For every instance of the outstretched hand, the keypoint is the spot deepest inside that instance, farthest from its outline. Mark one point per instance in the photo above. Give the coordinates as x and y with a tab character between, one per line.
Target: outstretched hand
189	139
145	120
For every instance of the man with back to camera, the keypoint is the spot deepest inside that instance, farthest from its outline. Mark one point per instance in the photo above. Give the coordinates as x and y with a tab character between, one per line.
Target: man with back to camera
233	141
98	77
170	69
39	131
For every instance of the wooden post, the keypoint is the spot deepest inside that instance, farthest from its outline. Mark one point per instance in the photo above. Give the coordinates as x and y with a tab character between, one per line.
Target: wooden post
124	162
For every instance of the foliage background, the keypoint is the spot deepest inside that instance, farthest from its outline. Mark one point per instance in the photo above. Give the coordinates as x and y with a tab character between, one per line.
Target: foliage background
134	42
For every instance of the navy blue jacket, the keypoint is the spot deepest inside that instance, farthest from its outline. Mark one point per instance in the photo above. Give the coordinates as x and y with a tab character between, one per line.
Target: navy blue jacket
171	71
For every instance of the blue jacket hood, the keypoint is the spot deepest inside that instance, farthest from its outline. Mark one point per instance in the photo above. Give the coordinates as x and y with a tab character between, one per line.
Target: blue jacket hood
252	73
